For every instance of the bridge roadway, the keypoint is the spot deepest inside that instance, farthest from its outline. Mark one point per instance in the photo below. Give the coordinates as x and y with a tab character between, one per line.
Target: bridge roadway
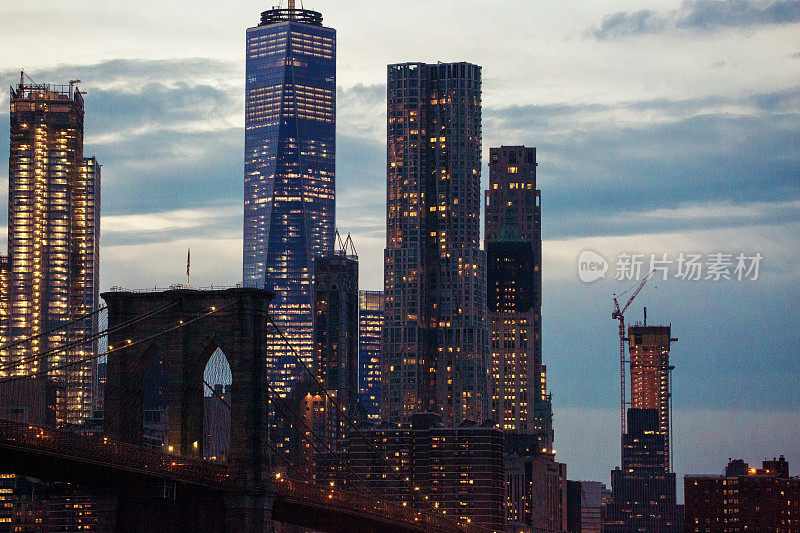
58	455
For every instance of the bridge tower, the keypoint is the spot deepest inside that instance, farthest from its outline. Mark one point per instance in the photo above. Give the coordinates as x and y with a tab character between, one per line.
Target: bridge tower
233	320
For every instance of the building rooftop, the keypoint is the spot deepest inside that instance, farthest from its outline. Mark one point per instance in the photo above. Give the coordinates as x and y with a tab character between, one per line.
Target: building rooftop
278	15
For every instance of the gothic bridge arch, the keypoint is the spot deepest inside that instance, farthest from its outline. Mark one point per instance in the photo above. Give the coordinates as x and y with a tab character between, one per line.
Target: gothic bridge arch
234	320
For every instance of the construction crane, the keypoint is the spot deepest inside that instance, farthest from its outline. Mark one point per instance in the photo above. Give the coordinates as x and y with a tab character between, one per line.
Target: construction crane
619	314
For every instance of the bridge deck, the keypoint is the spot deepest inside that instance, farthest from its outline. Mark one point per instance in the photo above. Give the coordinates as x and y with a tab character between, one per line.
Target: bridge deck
143	462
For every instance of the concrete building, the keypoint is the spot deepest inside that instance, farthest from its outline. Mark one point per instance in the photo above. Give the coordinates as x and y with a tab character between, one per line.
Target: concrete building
643	489
436	334
370	352
217	424
650	374
744	499
513	243
586	500
536	489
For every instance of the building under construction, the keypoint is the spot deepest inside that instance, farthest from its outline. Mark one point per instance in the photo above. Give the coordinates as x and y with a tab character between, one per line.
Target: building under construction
643	490
50	280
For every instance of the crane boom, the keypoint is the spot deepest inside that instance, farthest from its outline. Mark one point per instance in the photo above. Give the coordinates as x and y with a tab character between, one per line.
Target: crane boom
620	315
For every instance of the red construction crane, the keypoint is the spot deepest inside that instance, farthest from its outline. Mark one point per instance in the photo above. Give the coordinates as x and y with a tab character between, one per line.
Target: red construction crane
620	315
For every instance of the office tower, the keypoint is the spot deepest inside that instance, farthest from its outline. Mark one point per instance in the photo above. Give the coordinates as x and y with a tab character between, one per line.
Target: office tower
290	143
436	337
643	490
336	333
513	242
51	278
370	348
744	499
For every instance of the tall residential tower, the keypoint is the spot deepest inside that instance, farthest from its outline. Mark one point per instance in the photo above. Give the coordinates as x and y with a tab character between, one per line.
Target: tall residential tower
435	333
51	278
290	144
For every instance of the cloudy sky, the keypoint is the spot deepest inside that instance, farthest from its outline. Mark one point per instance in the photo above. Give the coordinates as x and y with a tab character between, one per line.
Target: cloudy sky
662	127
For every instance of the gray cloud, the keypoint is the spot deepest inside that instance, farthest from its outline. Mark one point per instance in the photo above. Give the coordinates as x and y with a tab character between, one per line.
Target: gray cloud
130	75
667	154
702	15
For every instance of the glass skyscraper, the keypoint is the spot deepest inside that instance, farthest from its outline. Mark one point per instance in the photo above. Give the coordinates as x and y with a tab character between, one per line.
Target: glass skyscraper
290	146
370	350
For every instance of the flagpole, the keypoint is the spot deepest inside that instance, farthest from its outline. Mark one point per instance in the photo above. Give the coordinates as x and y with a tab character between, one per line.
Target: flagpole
188	262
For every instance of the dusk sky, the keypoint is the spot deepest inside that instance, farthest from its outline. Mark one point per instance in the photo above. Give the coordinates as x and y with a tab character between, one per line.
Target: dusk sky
661	127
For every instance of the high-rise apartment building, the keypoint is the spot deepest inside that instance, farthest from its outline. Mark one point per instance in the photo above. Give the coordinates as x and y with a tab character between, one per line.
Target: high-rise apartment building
744	499
51	278
513	243
435	332
457	470
370	349
290	146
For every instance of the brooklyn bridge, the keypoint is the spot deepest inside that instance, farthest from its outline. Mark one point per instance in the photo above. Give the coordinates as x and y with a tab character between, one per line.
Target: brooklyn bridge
179	486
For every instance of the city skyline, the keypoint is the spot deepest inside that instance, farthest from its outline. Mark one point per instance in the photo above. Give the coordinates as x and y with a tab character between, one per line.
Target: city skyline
670	224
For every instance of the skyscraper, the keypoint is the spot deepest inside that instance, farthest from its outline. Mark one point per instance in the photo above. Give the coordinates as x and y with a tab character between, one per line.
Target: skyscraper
513	243
51	278
650	374
370	352
290	143
643	490
336	332
435	336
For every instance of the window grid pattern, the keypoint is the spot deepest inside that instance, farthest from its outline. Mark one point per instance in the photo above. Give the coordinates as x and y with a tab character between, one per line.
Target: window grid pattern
289	181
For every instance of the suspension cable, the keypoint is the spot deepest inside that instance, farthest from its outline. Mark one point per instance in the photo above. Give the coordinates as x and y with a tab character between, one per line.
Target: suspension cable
113	350
94	336
350	422
49	331
314	434
289	411
275	452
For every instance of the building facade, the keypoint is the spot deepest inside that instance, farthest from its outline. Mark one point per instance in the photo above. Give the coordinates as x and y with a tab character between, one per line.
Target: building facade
513	243
643	489
459	469
744	499
51	278
289	181
435	330
370	350
536	488
336	335
650	374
